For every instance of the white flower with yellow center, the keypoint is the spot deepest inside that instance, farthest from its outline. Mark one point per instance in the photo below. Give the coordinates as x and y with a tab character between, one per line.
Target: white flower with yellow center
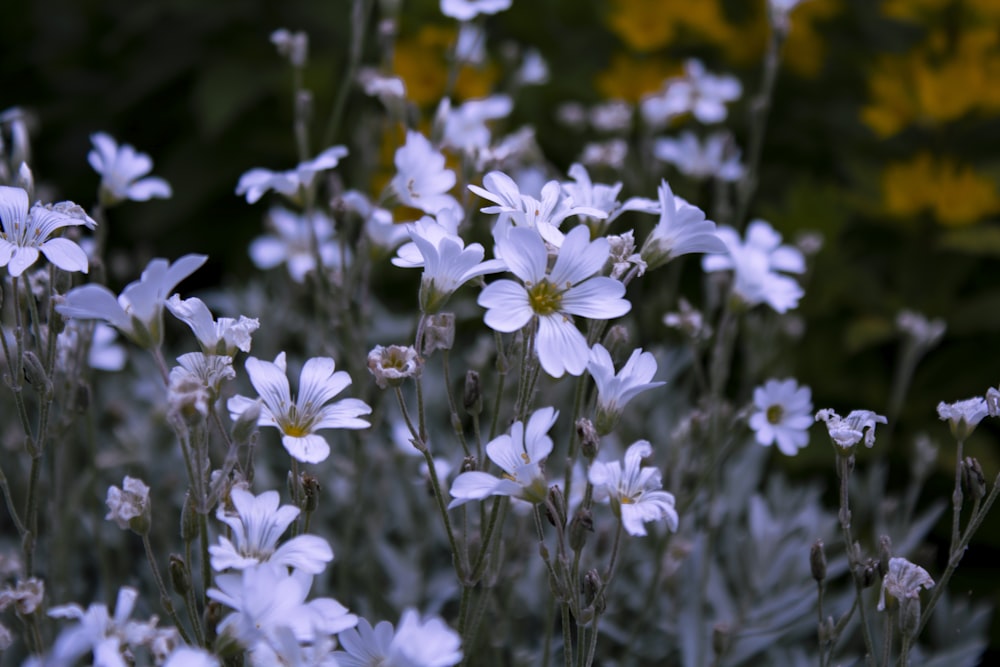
783	415
552	297
24	233
299	419
634	492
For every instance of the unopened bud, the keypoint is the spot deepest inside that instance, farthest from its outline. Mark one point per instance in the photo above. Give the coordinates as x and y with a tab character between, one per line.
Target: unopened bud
189	520
722	639
212	618
468	464
973	480
582	523
180	578
472	396
869	573
35	374
884	554
311	488
245	429
592	591
439	333
589	440
817	561
555	507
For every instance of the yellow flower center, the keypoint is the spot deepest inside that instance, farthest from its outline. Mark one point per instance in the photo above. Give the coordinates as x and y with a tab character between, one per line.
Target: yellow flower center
545	298
775	414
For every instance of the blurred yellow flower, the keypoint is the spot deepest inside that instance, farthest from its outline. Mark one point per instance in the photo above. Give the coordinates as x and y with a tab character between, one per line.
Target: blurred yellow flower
644	25
804	49
630	78
956	195
421	61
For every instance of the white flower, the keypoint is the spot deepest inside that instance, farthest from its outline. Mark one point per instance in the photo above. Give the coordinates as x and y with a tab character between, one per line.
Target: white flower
299	419
416	642
698	92
534	71
682	229
846	432
903	581
611	116
783	414
26	232
756	264
291	243
394	364
520	455
615	391
551	297
422	181
292	45
465	126
257	524
266	598
963	416
256	182
447	262
185	656
718	157
122	169
105	354
470	45
98	633
583	192
634	492
138	311
223	336
610	153
466	10
391	90
129	506
194	385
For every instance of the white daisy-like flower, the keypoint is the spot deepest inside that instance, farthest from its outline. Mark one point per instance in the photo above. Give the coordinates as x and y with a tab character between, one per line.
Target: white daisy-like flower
963	416
194	384
291	243
122	169
129	506
903	582
520	454
756	264
99	633
422	181
416	642
552	297
783	415
300	419
257	524
466	10
847	432
614	391
635	493
718	157
256	182
223	336
26	234
266	599
447	262
682	229
583	192
465	126
698	92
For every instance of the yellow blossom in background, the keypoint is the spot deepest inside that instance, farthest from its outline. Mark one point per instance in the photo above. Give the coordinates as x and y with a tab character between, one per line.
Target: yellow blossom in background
630	78
805	49
644	25
913	10
421	61
956	195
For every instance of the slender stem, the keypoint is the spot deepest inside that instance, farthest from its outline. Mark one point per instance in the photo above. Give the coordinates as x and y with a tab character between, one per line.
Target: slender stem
359	17
592	647
887	638
819	624
456	420
844	468
567	636
165	600
956	499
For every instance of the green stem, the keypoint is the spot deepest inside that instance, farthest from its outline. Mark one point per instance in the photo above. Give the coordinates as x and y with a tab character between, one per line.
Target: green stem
168	604
359	17
844	469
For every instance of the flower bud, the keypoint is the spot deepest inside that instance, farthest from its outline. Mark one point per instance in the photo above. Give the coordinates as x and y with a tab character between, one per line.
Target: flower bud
311	488
472	396
438	333
189	520
180	578
973	479
129	506
35	374
468	464
817	561
868	573
722	639
592	591
589	440
244	430
884	554
582	523
555	507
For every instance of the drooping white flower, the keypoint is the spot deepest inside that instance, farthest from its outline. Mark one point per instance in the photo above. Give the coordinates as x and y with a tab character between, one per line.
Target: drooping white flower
614	391
291	243
99	633
138	311
416	642
635	493
583	192
782	414
223	336
266	599
26	233
756	264
698	92
466	10
129	506
963	416
846	432
447	262
520	454
194	384
257	181
551	298
465	126
122	169
903	582
682	229
298	420
422	181
392	365
257	524
718	157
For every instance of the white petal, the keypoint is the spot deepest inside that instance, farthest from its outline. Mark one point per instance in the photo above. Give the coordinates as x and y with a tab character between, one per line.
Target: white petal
65	254
307	449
